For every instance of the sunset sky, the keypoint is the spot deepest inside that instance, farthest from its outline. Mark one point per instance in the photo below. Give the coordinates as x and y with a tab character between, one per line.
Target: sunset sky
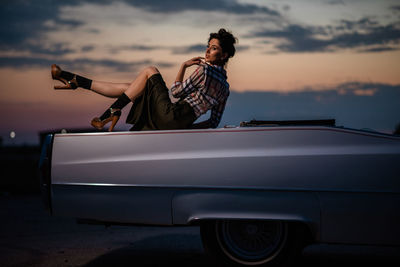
295	59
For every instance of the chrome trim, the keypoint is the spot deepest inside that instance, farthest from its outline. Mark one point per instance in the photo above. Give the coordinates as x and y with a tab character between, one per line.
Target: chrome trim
235	188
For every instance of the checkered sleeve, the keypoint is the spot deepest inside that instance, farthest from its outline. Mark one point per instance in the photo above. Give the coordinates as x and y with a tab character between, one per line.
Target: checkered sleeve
182	89
216	113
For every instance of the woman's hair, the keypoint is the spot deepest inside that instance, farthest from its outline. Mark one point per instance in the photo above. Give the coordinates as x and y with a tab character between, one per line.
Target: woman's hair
226	41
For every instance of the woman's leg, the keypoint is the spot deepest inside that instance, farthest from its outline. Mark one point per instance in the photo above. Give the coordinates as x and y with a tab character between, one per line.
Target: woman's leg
108	89
72	81
132	90
137	87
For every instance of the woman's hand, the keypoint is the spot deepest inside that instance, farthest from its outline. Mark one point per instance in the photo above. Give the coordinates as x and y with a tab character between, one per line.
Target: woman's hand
193	61
186	64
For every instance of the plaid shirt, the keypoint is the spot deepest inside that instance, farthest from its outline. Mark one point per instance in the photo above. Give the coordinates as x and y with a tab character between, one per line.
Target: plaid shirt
205	89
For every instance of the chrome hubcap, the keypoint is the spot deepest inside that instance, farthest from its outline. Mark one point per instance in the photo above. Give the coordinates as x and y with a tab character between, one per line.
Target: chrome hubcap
251	242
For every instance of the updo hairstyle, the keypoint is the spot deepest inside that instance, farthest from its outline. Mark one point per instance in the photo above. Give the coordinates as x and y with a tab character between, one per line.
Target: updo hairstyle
226	41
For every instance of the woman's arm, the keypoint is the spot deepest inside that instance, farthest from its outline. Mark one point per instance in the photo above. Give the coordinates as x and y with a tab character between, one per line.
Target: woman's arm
185	65
215	117
181	89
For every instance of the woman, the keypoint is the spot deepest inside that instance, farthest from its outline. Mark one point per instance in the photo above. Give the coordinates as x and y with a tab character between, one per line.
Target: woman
205	89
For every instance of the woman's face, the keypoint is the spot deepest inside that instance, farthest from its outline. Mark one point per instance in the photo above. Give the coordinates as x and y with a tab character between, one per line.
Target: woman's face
214	53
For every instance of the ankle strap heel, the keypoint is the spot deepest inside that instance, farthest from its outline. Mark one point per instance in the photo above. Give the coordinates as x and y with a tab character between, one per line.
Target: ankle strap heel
56	73
113	116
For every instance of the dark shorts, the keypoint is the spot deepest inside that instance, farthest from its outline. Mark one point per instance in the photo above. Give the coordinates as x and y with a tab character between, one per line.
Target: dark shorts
153	110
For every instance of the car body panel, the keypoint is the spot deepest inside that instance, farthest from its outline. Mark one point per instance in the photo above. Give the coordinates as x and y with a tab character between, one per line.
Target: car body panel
114	204
277	173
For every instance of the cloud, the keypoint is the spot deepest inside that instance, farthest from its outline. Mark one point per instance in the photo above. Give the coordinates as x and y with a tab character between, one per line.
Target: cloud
87	48
25	24
174	6
142	47
354	25
369	92
348	34
363	105
24	21
199	48
378	49
179	50
56	49
82	63
196	48
174	49
335	2
135	47
296	38
241	48
358	88
395	8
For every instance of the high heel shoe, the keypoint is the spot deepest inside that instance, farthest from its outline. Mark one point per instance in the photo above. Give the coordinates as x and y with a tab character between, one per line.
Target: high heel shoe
114	115
56	75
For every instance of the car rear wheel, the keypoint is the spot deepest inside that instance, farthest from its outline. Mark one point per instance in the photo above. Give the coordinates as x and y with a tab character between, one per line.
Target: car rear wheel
247	243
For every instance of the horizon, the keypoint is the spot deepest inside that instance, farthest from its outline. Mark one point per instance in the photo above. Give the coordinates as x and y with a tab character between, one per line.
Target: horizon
295	59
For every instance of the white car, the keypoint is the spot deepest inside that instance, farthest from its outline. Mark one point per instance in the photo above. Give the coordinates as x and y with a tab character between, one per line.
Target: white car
259	194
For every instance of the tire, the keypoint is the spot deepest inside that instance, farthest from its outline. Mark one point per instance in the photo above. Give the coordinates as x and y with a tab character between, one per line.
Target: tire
250	242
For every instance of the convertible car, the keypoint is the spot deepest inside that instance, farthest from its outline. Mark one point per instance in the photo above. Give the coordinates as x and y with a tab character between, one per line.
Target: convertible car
259	192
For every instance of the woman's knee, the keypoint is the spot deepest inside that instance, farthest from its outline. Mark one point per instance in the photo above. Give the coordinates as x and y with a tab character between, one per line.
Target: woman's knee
151	70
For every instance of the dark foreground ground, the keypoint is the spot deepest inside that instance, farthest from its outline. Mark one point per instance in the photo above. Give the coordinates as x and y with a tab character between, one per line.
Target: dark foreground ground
29	236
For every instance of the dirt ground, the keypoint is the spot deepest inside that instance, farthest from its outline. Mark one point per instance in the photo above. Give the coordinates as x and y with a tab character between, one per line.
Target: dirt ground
29	236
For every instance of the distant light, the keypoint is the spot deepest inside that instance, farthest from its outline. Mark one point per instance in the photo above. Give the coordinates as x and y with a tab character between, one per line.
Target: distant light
63	131
12	134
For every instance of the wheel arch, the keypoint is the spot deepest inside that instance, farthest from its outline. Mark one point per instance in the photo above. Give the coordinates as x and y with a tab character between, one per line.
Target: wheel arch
195	207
